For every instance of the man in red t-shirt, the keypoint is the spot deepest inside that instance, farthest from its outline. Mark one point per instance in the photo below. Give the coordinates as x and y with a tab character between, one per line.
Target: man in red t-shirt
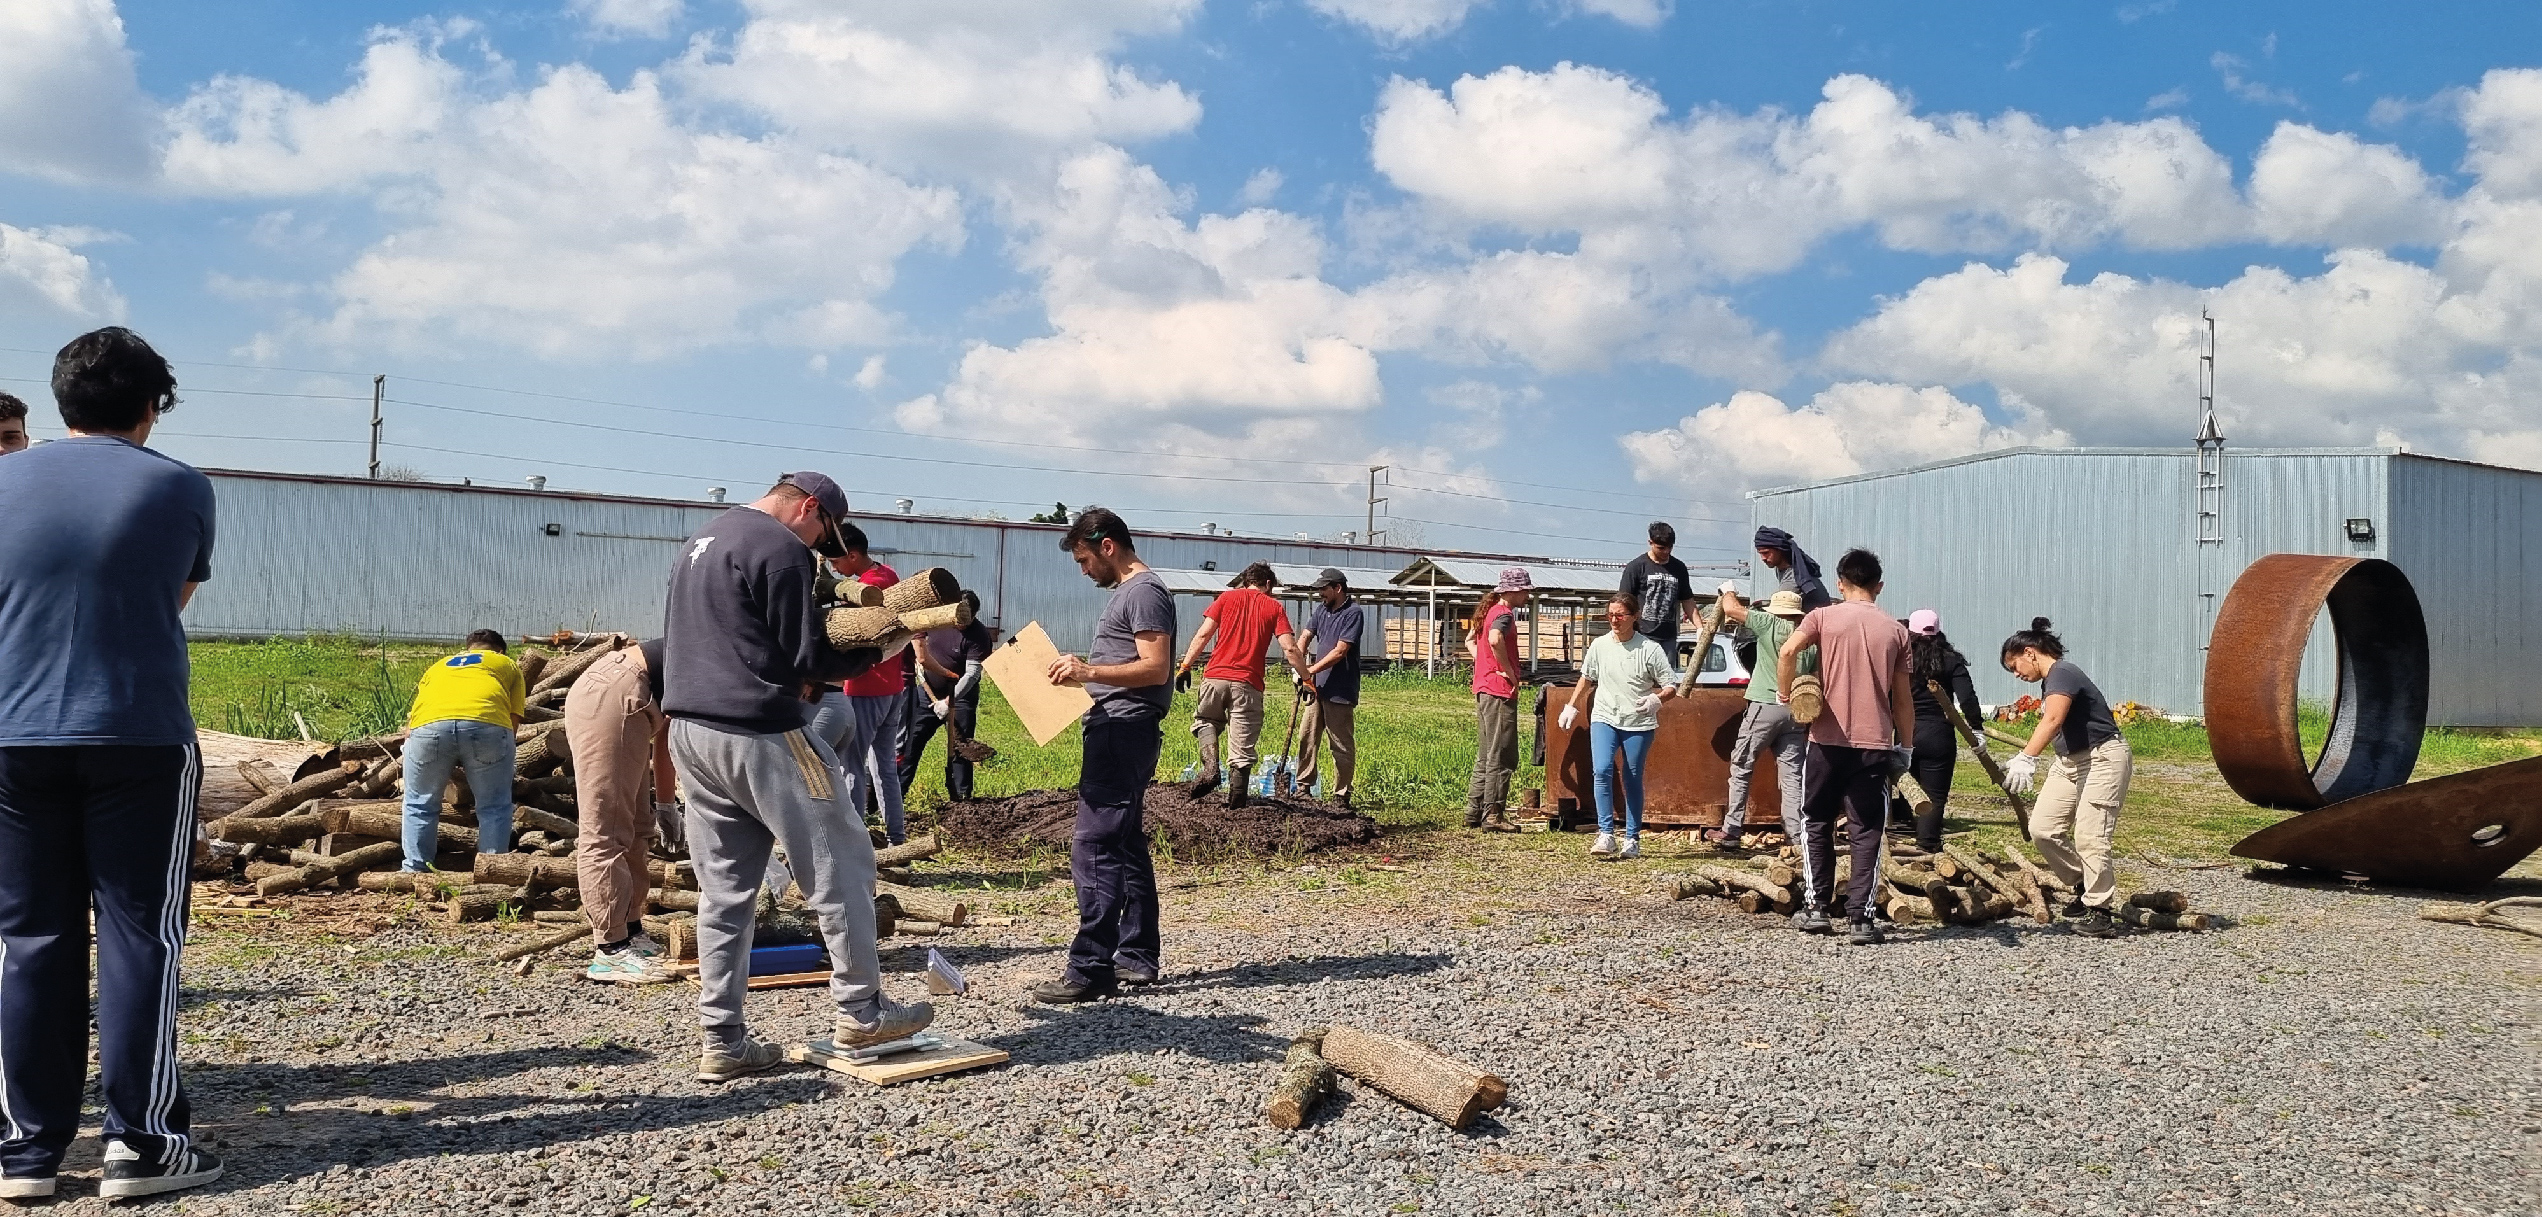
1244	621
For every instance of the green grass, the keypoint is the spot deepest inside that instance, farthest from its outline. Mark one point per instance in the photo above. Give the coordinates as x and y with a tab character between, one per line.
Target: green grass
344	687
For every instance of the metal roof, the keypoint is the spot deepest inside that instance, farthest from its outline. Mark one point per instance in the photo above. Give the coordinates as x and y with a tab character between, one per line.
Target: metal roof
1478	575
1359	577
2033	450
1183	582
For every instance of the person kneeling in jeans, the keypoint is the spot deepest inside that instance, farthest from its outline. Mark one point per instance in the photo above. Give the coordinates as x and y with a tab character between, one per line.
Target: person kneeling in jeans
466	710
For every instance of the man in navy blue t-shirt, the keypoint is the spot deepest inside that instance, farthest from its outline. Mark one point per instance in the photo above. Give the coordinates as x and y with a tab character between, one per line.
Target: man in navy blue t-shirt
1333	638
98	771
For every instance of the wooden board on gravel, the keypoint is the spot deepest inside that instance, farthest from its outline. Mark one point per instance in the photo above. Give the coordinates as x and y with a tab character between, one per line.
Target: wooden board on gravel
953	1056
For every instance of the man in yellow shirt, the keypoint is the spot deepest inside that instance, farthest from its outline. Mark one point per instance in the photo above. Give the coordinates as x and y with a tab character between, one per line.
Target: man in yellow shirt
466	709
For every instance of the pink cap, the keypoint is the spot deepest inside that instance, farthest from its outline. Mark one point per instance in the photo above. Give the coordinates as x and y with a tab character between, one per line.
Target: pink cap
1924	621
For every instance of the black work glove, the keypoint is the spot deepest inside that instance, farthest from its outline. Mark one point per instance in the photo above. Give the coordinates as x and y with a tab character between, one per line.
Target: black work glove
1183	681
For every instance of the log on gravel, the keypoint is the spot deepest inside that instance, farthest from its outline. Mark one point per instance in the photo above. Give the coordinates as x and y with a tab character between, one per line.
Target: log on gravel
328	870
1905	909
926	905
2047	883
1683	886
550	942
1305	1078
2160	902
2018	893
1777	872
1754	902
902	855
315	786
482	906
272	830
1422	1077
2151	919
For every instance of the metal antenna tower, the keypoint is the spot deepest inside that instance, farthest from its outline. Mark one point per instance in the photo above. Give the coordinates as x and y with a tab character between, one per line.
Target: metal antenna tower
2210	502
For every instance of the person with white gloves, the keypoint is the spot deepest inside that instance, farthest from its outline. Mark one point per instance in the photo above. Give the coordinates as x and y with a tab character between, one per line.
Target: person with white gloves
1631	676
2076	815
950	664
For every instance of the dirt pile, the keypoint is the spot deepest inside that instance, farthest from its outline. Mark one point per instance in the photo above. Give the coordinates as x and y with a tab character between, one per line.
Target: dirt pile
1193	830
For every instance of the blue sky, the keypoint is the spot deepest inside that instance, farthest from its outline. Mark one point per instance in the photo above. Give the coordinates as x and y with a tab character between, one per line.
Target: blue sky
1563	265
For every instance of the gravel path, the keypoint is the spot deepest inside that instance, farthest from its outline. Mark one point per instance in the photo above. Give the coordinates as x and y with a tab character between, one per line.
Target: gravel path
2327	1054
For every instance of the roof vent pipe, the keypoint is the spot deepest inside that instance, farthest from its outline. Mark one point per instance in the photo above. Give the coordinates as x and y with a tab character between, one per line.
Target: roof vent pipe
1209	530
714	494
906	505
538	481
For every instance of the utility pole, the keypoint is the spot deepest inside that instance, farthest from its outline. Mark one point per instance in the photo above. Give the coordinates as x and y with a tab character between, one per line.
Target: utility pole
1373	470
379	387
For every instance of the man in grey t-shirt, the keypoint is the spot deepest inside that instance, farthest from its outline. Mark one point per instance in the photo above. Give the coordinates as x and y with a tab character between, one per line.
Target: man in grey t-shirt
1127	671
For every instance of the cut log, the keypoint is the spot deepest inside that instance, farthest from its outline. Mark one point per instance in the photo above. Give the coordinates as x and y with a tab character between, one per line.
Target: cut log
1808	698
942	617
902	855
545	821
482	906
423	883
562	674
274	830
2152	919
673	902
257	872
920	929
1912	793
933	587
1683	886
1422	1077
550	942
328	870
533	664
2012	891
1777	871
925	904
524	871
1905	909
1754	902
382	776
378	819
2160	902
1305	1078
315	786
2048	883
852	628
545	746
261	775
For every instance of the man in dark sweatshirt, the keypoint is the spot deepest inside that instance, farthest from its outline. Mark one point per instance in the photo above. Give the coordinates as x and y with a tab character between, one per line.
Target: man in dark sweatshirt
742	646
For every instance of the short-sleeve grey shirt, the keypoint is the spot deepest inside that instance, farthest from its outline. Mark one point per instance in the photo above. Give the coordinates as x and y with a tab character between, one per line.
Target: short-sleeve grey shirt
1139	605
2088	722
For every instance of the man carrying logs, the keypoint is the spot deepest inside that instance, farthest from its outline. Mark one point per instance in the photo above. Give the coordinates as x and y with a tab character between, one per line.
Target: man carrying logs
1128	672
623	783
1862	741
467	707
743	647
106	542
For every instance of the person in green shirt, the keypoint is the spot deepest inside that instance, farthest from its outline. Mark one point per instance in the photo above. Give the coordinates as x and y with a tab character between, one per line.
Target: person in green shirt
1767	724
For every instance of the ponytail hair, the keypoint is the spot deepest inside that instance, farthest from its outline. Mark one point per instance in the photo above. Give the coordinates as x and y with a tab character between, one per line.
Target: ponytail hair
2036	638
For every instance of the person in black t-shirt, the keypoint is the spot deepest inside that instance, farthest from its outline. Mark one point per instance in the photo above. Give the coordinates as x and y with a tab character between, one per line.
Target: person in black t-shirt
1932	660
950	669
1660	589
2077	812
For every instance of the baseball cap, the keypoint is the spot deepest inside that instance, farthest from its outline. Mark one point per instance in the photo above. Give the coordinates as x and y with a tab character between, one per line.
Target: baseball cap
1332	577
1924	621
823	491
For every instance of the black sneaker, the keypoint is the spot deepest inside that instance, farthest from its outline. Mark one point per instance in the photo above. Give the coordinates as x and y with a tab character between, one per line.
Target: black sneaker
1066	992
2074	907
1813	921
128	1174
1866	933
2096	923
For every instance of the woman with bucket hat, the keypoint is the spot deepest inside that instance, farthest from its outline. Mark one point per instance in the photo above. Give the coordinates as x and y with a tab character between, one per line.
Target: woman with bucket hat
1493	639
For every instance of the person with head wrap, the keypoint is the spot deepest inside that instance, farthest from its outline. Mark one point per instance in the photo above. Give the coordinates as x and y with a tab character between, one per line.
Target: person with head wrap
1794	570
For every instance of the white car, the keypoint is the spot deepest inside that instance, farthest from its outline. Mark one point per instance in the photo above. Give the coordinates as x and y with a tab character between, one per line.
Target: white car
1721	667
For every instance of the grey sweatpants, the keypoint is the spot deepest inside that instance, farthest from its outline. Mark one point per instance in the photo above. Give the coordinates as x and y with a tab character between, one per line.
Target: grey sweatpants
747	794
1767	727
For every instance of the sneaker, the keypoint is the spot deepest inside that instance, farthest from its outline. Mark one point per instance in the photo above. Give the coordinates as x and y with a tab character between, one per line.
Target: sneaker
891	1022
127	1175
644	944
717	1065
1604	845
1067	992
1813	921
26	1187
2096	923
1132	974
1866	933
626	968
1632	849
2073	908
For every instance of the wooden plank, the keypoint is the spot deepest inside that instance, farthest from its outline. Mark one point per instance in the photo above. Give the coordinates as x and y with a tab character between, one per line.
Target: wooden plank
954	1056
1021	670
687	970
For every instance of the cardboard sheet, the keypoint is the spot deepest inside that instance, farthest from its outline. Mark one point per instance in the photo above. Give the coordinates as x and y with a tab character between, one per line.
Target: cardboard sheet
1021	670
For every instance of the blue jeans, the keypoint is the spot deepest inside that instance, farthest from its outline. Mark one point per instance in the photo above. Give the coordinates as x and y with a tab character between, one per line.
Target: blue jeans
485	751
1605	742
873	761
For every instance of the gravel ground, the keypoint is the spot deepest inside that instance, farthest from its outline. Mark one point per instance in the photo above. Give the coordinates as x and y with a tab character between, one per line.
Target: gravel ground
2327	1053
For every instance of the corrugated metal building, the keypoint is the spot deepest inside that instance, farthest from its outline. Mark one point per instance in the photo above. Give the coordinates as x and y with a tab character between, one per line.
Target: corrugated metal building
417	560
2104	541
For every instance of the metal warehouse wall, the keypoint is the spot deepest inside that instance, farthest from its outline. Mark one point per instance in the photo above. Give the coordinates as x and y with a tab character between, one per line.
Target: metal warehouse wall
2470	537
2103	541
298	554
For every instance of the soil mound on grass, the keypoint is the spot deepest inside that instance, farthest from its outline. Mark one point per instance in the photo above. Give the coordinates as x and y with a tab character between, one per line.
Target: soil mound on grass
1195	830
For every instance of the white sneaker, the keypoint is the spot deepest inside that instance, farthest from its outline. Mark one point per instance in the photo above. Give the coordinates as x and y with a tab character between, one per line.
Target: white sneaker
1604	845
1632	848
643	944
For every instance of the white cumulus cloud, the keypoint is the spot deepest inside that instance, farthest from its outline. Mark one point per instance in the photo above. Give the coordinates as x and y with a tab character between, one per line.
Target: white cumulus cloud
1399	21
1851	427
45	279
629	18
70	107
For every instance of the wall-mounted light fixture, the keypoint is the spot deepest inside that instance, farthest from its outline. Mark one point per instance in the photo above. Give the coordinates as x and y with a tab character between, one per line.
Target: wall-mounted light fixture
2360	531
554	530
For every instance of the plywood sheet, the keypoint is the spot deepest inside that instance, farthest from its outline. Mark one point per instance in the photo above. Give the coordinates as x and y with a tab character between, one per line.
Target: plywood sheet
953	1056
1021	670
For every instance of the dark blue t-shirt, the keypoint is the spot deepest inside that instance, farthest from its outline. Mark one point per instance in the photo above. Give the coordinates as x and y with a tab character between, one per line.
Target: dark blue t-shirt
1140	605
1338	684
98	538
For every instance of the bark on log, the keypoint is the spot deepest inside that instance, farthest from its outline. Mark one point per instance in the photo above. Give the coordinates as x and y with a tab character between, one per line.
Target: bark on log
1905	909
902	855
424	883
315	786
522	870
482	906
921	903
381	777
942	617
2047	883
274	830
1985	760
328	870
1777	872
1754	902
1421	1076
549	943
933	587
851	628
2152	919
533	665
2011	890
2160	902
261	775
1683	887
257	871
673	902
545	821
384	820
564	673
1304	1081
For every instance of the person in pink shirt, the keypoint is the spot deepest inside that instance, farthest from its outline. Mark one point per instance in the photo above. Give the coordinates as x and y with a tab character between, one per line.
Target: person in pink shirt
1494	642
1863	739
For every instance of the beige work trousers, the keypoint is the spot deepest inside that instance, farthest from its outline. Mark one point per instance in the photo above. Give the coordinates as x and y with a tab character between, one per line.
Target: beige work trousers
2077	814
1231	708
610	721
1325	719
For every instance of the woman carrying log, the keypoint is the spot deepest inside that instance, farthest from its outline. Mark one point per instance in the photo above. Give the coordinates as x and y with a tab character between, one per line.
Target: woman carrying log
1932	660
2077	811
1631	676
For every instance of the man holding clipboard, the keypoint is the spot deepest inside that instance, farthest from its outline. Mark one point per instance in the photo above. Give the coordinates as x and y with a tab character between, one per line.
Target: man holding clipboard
1126	673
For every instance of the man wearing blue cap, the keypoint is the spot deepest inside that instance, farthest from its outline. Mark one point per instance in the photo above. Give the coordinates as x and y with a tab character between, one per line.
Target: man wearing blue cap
742	647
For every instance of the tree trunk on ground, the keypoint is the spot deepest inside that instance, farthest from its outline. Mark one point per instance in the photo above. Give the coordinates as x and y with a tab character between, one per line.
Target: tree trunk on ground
921	903
1304	1081
902	855
2152	920
1421	1076
270	830
1683	887
485	906
2160	902
328	870
315	786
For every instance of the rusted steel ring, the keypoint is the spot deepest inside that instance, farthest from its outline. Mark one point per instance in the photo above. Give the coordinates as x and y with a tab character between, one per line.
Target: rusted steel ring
2258	650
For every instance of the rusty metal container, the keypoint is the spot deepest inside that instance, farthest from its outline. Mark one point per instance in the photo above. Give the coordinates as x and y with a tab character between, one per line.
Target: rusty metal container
1688	778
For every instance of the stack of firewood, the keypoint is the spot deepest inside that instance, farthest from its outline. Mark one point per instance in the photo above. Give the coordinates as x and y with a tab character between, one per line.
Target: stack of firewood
1960	885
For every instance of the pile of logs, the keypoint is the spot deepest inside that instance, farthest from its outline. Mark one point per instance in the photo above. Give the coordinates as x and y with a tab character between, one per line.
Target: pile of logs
1961	885
1420	1076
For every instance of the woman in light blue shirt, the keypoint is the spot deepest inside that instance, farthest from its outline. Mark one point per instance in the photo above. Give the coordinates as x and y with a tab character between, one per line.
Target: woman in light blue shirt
1631	676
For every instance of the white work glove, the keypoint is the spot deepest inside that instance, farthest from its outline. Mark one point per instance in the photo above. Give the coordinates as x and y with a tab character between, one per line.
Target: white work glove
670	823
1650	703
1901	760
1978	745
1570	717
944	709
2019	774
1727	588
